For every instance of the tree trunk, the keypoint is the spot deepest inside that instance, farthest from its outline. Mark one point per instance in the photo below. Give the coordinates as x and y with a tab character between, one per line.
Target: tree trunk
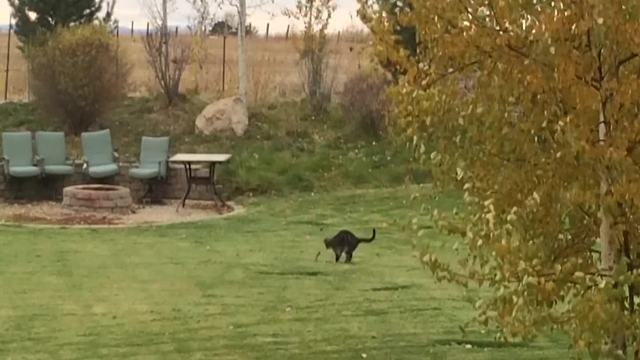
609	253
242	50
164	43
607	260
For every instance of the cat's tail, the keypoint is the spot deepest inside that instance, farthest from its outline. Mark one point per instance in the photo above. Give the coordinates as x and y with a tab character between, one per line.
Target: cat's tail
373	237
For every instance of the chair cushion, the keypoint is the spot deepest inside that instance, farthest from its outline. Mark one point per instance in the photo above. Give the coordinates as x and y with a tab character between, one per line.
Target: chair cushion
24	171
154	152
97	148
50	146
103	171
58	170
18	148
144	173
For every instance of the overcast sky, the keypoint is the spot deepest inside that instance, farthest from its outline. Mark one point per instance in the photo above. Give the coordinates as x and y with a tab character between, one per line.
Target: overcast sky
132	10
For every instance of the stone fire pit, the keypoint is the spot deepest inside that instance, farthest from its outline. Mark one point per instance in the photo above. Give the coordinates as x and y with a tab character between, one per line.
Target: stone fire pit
98	198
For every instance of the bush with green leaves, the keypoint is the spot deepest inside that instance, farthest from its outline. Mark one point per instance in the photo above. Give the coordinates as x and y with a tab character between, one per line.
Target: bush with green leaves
78	76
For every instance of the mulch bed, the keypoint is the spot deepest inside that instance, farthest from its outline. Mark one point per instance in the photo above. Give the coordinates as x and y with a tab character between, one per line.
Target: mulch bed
53	214
218	208
80	219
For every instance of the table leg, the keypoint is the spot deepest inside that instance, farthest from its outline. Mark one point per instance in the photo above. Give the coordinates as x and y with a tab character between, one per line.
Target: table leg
212	178
189	175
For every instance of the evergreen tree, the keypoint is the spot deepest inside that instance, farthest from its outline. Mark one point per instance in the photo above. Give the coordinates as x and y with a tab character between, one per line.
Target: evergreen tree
35	18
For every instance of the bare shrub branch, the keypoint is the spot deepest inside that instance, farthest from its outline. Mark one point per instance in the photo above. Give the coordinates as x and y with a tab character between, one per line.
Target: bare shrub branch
167	55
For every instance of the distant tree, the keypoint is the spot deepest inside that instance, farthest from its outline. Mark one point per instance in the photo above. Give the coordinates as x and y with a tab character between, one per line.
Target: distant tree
36	18
222	28
252	30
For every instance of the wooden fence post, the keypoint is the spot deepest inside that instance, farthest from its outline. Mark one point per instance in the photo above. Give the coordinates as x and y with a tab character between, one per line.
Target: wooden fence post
224	61
132	29
118	51
6	79
267	35
147	29
286	37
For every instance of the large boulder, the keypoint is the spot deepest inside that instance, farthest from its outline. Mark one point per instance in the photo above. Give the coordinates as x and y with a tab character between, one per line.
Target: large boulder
223	116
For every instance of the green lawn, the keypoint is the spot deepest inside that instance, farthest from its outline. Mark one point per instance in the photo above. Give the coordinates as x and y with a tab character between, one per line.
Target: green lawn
245	287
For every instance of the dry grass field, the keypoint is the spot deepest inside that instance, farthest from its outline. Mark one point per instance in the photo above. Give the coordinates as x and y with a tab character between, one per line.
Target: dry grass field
273	67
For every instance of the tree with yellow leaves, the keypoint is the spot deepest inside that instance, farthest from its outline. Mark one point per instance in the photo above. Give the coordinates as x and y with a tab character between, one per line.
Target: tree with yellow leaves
532	108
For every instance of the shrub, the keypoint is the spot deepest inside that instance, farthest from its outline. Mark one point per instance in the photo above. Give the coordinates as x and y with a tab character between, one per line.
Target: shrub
168	57
364	101
78	75
317	79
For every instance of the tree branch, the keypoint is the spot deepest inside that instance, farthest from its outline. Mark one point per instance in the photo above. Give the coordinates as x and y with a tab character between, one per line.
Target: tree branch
445	75
625	61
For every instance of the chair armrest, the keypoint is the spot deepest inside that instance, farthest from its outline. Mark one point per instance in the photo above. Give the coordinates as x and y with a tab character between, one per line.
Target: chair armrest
160	168
85	163
5	166
39	162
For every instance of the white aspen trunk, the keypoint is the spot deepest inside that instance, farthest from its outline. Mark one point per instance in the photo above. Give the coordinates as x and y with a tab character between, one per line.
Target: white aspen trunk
609	252
242	50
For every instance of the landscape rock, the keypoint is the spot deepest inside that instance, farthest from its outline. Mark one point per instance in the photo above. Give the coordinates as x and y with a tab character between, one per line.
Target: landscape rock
222	116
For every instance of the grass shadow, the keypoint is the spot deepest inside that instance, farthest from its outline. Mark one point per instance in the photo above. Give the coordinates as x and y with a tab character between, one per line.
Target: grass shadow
292	273
391	288
309	222
483	344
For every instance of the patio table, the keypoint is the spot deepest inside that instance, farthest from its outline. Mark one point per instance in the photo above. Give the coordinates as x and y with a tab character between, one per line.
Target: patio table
210	160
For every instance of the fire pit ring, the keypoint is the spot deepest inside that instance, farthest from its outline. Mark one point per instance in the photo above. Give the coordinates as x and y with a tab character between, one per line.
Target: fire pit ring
98	198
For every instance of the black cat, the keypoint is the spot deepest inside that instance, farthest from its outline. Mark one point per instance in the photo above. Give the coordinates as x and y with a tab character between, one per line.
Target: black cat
345	242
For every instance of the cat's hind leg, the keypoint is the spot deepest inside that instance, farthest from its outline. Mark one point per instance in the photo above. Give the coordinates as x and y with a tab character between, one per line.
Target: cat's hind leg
348	258
338	255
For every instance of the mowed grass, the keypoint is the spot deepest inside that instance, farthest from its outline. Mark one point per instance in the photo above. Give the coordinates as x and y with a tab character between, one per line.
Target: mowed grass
244	287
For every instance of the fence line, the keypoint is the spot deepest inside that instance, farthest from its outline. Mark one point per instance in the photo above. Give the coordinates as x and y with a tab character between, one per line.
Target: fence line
287	35
6	76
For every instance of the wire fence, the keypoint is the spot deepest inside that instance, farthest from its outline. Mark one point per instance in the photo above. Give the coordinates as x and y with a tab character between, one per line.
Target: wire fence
272	62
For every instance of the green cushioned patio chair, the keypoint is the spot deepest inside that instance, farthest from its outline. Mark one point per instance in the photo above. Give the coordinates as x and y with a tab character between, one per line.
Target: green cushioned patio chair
154	157
17	149
52	154
100	160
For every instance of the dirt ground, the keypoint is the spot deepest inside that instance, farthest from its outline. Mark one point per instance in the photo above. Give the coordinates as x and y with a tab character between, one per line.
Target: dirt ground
53	214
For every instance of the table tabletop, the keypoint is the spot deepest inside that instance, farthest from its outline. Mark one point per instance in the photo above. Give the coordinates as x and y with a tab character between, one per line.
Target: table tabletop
200	158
